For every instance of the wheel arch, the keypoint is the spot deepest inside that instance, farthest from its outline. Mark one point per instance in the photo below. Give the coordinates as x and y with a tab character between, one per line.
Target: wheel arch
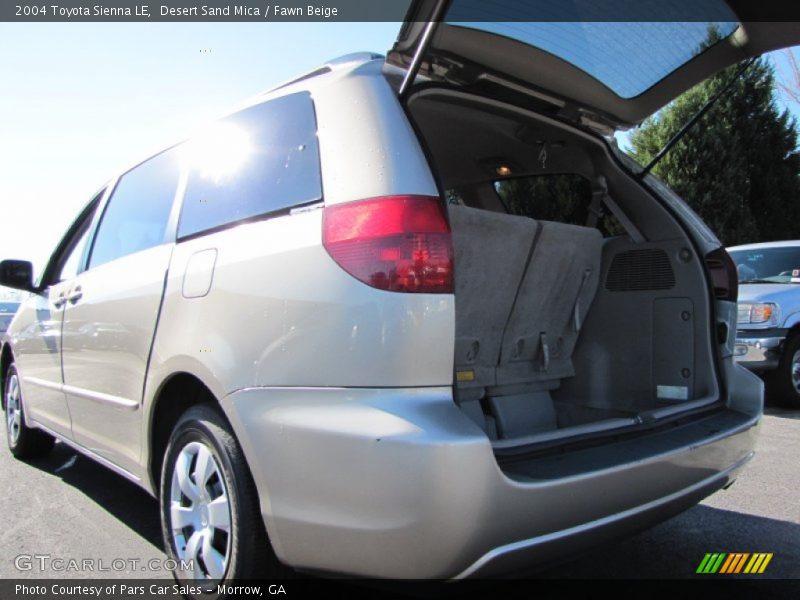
174	396
792	331
792	322
783	380
6	358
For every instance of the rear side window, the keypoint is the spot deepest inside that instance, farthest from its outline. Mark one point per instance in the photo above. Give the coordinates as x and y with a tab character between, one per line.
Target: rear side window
136	216
256	162
564	198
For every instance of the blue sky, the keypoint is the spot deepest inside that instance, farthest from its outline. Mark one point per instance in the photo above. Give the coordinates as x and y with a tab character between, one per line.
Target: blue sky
80	101
782	72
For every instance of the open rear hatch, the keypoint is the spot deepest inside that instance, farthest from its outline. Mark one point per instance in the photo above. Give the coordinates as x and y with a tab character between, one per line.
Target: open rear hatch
608	65
563	333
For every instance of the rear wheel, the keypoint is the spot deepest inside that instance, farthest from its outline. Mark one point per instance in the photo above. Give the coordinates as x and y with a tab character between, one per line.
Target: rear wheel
786	379
210	514
23	441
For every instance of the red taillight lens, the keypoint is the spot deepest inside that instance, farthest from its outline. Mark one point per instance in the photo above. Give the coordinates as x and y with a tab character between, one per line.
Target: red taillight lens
396	243
724	276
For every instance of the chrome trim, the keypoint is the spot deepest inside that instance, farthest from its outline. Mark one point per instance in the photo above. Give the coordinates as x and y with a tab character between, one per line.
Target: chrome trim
758	353
43	383
766	343
89	454
99	397
102	398
304	208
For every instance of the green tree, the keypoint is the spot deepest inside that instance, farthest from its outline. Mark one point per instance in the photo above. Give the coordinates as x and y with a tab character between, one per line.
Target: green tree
563	197
738	167
548	197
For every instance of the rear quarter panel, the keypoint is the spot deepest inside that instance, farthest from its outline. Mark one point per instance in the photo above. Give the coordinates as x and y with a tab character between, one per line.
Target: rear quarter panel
280	312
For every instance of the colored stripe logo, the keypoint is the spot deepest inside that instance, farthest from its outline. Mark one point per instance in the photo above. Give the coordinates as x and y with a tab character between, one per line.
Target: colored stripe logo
734	563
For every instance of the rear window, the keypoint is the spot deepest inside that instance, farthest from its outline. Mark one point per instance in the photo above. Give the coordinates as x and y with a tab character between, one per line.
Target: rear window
565	198
628	57
256	162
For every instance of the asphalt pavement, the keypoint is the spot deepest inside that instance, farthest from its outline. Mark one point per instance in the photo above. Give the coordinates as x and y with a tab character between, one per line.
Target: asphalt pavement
67	507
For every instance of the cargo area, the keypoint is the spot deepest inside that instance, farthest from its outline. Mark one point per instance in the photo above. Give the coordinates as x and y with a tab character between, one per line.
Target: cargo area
581	307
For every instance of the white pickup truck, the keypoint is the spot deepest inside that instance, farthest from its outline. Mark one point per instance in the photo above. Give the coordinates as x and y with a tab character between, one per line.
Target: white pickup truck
768	330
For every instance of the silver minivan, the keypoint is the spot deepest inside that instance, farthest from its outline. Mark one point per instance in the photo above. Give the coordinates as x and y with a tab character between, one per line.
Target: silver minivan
404	317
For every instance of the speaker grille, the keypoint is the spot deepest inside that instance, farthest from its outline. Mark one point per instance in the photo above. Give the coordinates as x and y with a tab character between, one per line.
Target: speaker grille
640	270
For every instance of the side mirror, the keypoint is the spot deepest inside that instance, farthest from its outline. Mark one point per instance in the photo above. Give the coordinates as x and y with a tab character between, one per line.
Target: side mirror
17	274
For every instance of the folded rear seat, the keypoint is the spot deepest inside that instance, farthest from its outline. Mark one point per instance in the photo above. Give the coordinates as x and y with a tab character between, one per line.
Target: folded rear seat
523	288
536	352
555	294
490	255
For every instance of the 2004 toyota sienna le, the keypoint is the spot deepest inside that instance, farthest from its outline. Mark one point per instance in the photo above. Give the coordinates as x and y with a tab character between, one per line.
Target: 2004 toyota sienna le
347	329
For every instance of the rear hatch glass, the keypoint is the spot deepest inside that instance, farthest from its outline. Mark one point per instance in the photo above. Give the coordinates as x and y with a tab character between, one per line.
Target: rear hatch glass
628	58
607	64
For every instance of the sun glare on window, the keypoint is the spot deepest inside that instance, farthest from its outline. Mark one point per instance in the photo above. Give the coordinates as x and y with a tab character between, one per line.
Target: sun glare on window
218	152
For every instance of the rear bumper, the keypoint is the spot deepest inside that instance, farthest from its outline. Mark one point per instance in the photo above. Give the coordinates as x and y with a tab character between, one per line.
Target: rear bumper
400	484
518	556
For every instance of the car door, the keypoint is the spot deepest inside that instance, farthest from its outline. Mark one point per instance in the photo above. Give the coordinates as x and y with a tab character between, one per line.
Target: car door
38	338
112	311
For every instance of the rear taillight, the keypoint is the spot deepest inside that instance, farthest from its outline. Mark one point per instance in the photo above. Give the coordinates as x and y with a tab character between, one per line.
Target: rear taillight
724	277
395	243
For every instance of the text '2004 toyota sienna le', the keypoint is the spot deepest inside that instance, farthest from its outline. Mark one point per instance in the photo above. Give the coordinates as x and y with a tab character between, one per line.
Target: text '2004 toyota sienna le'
346	329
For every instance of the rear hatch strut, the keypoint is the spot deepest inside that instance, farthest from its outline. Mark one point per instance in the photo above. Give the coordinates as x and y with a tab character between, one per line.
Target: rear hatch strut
693	121
425	40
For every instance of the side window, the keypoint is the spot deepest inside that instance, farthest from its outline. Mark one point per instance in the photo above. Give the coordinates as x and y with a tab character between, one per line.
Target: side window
136	216
72	263
69	262
255	162
564	198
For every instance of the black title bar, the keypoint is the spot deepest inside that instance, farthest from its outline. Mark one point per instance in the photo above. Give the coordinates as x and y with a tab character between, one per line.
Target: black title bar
393	10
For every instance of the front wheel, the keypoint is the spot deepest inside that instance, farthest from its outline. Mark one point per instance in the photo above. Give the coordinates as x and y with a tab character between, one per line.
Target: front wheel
24	442
787	377
210	514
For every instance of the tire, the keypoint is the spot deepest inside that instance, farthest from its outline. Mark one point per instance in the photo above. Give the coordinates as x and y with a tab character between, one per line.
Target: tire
24	442
786	379
225	540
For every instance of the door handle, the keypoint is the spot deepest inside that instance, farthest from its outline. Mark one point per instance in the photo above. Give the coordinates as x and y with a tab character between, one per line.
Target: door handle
60	301
76	295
